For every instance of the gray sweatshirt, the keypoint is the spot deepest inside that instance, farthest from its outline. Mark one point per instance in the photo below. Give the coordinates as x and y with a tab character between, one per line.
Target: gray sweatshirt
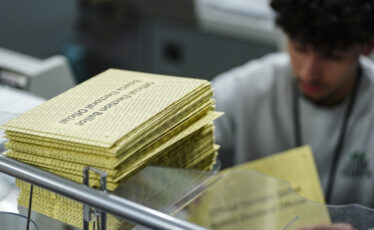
257	99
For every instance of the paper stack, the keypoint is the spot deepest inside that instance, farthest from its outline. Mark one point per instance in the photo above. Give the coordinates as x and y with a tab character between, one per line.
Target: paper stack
118	122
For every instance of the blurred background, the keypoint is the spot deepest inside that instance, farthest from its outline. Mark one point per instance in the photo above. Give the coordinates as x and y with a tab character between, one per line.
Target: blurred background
192	38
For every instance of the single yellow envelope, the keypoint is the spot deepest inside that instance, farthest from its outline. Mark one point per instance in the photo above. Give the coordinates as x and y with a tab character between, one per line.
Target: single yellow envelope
247	199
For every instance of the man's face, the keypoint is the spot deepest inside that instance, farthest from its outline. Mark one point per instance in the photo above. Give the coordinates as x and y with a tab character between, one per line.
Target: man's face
324	78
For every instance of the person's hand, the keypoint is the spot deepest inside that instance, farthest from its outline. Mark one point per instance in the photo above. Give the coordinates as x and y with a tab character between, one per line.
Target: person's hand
327	227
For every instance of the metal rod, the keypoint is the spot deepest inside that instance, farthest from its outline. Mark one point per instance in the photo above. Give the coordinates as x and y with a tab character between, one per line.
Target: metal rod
29	211
109	203
86	208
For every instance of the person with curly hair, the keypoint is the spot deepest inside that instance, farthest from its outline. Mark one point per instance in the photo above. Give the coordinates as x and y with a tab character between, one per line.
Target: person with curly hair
320	92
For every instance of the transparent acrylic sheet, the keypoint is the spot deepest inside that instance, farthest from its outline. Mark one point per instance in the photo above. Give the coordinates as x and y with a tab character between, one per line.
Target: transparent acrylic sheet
12	221
246	199
164	189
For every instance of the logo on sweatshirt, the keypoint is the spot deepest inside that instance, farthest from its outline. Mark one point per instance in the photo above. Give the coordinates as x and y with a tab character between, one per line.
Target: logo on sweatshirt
357	166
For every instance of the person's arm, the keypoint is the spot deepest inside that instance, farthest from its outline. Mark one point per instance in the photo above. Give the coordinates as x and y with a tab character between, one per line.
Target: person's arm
224	126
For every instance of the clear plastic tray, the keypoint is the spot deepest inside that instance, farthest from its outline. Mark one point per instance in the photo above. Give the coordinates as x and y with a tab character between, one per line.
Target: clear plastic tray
246	199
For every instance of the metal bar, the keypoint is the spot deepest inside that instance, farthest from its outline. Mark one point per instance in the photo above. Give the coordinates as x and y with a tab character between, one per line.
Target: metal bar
29	210
109	203
86	208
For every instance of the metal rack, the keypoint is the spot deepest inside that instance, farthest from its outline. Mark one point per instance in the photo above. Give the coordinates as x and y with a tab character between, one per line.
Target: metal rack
101	200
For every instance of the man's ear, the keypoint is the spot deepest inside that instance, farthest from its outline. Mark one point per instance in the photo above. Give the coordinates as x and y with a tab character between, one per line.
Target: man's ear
369	47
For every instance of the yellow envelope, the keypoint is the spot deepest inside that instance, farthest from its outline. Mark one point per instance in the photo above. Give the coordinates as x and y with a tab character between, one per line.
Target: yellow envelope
248	199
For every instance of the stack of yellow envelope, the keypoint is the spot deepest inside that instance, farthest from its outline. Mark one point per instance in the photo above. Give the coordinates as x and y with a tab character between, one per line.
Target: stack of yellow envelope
119	122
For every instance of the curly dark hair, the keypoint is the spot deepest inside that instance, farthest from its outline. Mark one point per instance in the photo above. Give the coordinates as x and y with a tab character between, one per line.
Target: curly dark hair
326	24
